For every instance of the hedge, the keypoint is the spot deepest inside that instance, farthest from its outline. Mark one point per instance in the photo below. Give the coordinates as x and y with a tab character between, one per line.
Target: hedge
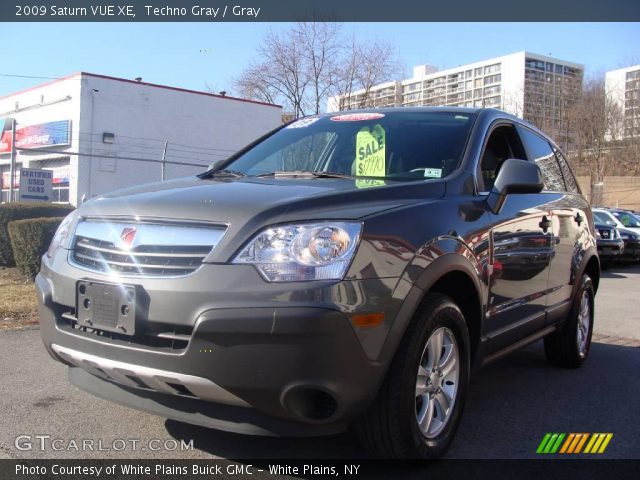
21	211
30	240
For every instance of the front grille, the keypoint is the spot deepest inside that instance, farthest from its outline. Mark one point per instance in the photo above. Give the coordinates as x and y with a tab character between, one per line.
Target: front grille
160	260
147	249
607	233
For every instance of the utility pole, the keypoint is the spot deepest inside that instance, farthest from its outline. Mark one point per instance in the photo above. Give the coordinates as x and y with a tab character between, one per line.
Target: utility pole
12	170
164	159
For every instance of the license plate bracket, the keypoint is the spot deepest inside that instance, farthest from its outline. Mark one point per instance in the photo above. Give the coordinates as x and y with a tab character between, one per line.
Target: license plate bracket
105	306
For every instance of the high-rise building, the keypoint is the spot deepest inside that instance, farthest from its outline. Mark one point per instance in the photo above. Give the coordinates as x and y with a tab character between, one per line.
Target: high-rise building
623	89
534	87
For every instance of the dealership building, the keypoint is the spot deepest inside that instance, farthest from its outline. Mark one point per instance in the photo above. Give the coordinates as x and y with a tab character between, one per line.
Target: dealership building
535	87
98	133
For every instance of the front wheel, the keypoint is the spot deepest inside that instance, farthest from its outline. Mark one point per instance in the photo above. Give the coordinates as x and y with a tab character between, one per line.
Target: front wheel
569	346
420	403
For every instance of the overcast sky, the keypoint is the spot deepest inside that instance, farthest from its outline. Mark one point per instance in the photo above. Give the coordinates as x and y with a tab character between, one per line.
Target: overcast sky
194	55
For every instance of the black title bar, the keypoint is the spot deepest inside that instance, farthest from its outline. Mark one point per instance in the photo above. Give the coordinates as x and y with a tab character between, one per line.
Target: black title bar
319	10
318	469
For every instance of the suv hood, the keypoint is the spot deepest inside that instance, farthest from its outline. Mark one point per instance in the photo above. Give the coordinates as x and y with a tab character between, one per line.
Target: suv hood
239	200
249	204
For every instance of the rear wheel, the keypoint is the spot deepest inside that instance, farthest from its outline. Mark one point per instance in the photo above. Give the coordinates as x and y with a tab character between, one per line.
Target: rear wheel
569	346
420	403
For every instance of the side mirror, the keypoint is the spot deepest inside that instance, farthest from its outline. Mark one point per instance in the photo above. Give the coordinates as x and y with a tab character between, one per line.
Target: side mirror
515	176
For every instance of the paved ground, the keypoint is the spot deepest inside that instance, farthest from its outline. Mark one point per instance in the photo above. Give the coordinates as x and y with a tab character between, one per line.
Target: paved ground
512	403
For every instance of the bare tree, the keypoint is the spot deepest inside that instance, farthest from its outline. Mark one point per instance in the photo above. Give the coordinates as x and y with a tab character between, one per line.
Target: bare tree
377	62
345	75
280	76
592	120
302	67
320	43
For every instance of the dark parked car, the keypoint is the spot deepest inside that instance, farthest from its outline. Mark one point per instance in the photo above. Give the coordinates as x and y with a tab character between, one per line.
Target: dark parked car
610	244
348	268
631	241
626	217
629	234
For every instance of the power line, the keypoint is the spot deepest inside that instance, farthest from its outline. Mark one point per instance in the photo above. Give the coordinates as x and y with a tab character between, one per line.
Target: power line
30	76
62	130
114	157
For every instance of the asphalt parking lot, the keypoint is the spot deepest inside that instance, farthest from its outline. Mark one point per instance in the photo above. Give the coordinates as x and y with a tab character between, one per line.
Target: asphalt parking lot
511	405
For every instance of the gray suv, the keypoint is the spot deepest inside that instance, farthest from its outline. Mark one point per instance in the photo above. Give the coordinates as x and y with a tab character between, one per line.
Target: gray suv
348	269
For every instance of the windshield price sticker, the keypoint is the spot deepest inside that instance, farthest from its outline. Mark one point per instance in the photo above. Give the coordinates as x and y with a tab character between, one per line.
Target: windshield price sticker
303	122
357	117
370	152
433	172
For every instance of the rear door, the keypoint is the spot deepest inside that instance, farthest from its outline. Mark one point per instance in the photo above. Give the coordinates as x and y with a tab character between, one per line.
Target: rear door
521	249
569	217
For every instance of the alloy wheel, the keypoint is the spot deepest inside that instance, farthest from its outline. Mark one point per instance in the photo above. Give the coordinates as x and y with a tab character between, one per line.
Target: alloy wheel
437	382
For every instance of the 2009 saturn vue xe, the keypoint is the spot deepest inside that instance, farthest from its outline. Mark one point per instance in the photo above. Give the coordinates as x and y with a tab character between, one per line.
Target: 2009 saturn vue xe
345	269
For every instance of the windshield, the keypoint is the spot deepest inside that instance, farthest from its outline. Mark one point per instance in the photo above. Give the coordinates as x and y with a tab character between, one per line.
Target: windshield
628	219
606	217
603	219
391	145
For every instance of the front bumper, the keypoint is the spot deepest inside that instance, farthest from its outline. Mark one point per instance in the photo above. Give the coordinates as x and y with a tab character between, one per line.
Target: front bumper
286	355
631	250
610	249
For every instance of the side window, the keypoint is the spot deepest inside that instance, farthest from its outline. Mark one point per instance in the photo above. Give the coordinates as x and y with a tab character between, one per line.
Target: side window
503	143
569	179
540	152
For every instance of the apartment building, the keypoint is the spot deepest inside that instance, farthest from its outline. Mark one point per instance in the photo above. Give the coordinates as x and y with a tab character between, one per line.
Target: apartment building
623	88
535	87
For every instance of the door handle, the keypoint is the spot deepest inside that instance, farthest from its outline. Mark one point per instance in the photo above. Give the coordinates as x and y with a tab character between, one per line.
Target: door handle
545	224
578	218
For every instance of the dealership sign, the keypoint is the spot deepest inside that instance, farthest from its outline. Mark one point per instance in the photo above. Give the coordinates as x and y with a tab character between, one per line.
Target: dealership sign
35	185
50	134
5	134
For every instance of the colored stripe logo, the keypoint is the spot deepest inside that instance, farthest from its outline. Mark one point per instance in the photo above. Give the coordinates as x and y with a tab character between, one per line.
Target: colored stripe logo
574	443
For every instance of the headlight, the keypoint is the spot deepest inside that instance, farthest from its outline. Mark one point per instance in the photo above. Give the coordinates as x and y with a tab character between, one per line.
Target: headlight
598	234
62	233
306	251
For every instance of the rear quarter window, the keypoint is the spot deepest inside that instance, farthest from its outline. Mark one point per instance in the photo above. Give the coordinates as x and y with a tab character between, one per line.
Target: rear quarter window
539	150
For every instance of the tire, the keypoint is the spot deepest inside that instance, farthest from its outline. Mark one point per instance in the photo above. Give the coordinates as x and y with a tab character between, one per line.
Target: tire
390	428
569	346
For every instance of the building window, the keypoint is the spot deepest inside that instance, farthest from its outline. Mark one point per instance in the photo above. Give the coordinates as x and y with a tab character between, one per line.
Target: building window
478	71
489	69
491	90
535	64
492	79
492	101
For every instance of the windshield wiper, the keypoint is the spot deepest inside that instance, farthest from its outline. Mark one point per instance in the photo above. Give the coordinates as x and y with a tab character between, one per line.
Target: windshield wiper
225	174
304	173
